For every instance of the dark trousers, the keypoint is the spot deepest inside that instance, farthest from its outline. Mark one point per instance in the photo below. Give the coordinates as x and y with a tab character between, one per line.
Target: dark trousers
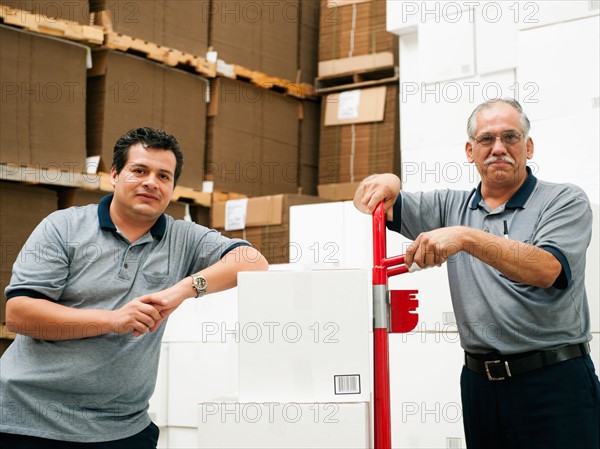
557	406
146	439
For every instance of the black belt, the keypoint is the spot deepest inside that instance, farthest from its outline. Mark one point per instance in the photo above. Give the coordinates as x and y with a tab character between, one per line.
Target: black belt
499	368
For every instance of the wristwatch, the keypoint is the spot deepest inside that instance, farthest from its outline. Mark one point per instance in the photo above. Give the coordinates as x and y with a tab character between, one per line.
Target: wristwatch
199	284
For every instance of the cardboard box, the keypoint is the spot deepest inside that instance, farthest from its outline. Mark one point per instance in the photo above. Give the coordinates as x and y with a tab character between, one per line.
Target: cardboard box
309	148
257	35
42	110
178	24
266	223
373	61
50	10
308	40
354	28
359	134
18	222
252	139
126	92
338	192
305	336
283	425
355	106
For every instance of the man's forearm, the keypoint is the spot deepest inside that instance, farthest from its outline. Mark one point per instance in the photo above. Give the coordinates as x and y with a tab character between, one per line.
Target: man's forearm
518	261
46	320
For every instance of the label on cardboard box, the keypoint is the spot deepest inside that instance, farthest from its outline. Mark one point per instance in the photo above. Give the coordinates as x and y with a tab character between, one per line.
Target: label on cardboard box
349	103
235	214
356	106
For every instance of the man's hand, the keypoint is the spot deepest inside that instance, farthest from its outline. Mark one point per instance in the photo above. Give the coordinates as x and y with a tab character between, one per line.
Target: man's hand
434	247
140	315
164	303
375	189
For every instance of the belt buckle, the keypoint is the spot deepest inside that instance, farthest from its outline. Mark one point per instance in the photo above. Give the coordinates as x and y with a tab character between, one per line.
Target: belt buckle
487	365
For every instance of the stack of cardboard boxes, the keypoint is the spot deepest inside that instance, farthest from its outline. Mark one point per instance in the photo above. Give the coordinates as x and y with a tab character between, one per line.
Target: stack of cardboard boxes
63	105
178	24
359	124
266	223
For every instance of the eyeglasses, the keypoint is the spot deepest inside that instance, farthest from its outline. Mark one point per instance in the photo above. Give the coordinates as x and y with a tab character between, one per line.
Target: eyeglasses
508	138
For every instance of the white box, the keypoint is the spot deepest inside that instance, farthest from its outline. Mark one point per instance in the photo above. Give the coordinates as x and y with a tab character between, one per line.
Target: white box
425	390
595	351
330	235
182	437
199	372
354	235
159	400
592	268
555	137
434	115
163	438
197	319
447	44
496	37
538	14
304	336
283	425
551	90
402	17
314	239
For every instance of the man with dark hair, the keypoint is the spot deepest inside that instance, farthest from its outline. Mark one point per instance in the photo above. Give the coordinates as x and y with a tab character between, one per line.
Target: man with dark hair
515	248
89	296
149	138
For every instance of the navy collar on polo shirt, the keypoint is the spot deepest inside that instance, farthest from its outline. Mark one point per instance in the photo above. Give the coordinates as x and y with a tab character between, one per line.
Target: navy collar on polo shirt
157	230
518	200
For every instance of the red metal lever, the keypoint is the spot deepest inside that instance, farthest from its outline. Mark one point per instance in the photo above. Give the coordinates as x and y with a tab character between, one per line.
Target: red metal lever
403	319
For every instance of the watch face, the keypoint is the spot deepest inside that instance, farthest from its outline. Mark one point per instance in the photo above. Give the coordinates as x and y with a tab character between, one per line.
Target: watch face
200	283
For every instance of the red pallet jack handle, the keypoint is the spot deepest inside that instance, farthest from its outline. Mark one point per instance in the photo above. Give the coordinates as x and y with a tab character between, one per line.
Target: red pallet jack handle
399	319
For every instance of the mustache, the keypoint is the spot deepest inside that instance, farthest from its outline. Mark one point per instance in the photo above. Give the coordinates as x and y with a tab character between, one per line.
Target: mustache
492	159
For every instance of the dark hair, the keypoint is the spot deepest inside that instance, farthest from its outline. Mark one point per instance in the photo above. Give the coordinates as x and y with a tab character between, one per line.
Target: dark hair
149	138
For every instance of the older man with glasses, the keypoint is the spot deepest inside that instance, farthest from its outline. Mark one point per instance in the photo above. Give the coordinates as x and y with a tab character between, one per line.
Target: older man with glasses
515	248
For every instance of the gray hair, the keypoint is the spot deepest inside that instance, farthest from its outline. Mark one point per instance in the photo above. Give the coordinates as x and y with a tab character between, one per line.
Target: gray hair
472	122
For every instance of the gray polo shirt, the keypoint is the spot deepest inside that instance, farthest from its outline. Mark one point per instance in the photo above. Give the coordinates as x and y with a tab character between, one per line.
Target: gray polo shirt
97	388
494	313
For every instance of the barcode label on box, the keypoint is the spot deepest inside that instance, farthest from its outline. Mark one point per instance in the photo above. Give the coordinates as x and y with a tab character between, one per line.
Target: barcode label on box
453	443
347	384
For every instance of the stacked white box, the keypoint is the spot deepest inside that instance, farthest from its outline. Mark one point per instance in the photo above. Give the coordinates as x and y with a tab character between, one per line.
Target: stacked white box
205	319
353	233
446	39
595	351
539	14
304	336
426	403
199	372
325	236
158	407
180	437
283	425
565	89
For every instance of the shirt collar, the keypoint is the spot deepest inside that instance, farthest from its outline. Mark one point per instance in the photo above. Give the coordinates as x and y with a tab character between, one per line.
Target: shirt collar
157	230
518	200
